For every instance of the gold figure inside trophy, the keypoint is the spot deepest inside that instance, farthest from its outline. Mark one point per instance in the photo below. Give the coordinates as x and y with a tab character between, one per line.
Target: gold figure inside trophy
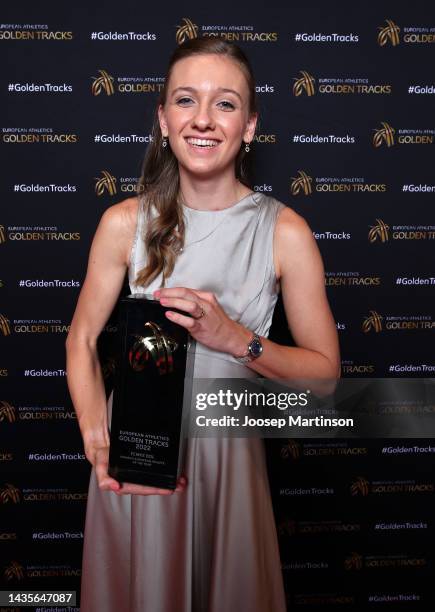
155	346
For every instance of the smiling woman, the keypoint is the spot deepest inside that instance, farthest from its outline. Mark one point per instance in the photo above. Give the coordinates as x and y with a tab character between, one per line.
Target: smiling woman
219	113
209	116
207	109
208	246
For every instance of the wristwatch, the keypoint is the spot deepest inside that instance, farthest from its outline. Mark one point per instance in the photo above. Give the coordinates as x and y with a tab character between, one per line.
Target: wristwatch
254	350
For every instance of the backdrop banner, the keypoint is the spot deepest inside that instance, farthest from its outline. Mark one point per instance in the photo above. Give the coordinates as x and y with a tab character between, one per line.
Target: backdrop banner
347	139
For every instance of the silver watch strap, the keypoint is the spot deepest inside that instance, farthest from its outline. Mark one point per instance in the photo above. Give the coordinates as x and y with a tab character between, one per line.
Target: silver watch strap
248	357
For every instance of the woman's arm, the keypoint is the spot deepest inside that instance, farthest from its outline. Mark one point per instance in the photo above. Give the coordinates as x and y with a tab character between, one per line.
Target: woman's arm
108	262
299	268
104	278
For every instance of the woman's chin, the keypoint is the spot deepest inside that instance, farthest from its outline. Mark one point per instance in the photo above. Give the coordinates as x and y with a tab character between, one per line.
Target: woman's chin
202	170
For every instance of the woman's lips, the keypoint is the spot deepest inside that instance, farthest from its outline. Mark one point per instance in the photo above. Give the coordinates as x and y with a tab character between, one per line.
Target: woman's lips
202	144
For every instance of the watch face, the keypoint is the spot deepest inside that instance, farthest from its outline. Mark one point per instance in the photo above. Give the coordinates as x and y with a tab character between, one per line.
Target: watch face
256	348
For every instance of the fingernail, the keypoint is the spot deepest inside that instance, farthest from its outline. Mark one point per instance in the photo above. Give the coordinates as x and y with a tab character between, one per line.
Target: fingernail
157	293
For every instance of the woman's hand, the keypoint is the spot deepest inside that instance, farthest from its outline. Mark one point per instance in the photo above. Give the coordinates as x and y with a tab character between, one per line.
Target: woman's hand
208	322
106	483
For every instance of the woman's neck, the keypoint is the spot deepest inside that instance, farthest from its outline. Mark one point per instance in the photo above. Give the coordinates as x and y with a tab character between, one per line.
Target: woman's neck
211	194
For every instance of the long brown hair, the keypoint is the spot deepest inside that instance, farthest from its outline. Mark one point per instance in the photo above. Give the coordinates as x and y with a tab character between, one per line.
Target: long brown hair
159	182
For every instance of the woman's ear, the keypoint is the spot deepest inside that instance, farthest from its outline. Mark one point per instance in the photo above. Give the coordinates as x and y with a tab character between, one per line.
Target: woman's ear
162	121
250	127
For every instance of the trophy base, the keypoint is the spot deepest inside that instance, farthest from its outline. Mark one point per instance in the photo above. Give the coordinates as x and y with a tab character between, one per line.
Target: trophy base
147	479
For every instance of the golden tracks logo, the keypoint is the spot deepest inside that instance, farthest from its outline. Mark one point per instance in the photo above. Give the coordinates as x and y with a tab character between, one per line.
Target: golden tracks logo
33	32
305	83
10	494
2	234
305	185
291	449
7	412
351	279
397	322
287	527
188	30
353	561
234	32
360	486
348	366
389	34
103	83
108	84
384	134
419	34
373	321
35	233
44	135
342	85
14	571
301	184
107	182
378	231
381	231
5	325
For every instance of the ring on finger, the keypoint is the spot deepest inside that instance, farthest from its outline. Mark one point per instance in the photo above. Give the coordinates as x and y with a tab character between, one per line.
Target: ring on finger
202	313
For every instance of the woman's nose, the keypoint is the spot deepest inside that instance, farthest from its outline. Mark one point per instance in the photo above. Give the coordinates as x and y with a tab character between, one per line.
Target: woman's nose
203	118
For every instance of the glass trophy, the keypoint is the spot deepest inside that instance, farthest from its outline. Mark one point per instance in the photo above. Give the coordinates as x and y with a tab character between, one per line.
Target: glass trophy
151	396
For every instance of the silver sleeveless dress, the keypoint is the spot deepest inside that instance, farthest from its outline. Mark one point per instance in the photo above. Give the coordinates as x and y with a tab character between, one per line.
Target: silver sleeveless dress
212	547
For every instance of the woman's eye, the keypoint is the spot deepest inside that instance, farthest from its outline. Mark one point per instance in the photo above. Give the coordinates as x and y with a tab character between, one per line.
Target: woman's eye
227	105
183	100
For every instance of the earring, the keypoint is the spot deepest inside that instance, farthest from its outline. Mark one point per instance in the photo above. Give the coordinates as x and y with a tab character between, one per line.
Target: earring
247	147
164	142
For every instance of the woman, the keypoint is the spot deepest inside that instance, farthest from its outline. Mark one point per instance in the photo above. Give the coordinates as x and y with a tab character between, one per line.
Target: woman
205	244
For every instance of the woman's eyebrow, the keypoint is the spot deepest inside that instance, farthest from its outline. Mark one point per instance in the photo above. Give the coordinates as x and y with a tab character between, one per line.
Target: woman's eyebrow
218	89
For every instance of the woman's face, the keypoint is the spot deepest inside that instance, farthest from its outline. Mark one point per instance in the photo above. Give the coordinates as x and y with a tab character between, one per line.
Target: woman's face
206	114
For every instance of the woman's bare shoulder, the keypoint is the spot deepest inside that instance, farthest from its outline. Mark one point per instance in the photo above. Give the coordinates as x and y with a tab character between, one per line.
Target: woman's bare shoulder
289	220
292	235
123	214
118	224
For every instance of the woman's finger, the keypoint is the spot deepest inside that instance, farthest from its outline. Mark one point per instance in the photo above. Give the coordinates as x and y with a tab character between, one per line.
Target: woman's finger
128	488
105	481
190	306
187	322
181	484
175	292
204	295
